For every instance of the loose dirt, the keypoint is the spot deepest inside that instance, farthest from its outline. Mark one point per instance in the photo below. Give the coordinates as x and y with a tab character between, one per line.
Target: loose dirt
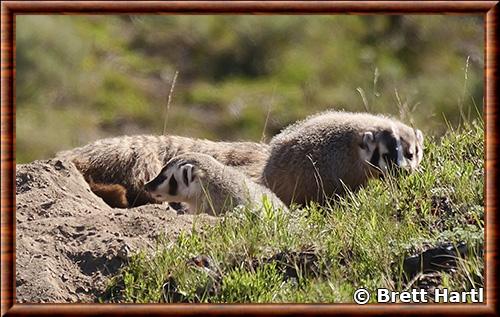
69	242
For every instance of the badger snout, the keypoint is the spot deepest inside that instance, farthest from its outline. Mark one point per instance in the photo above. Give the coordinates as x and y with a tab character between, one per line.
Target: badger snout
154	185
150	186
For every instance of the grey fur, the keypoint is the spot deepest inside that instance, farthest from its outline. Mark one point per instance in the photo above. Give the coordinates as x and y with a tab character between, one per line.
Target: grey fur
310	160
131	161
320	156
207	186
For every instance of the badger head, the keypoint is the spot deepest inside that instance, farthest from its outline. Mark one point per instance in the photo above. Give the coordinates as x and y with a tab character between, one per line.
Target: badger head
178	181
386	149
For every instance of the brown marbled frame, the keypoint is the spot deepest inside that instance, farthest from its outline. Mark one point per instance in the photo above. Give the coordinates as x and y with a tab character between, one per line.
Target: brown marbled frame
9	9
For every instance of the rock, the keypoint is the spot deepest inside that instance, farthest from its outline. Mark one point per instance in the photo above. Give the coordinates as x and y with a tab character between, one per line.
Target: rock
441	258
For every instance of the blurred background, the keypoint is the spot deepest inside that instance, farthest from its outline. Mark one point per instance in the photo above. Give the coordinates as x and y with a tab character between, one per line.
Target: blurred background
81	78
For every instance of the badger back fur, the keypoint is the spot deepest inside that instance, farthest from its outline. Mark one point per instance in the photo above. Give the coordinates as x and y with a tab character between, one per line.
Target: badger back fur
131	161
330	152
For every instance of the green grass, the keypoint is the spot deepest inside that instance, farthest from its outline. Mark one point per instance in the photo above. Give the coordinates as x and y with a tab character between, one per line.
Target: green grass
357	241
83	78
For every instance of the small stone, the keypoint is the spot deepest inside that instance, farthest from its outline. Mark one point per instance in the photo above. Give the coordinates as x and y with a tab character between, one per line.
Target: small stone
47	205
59	165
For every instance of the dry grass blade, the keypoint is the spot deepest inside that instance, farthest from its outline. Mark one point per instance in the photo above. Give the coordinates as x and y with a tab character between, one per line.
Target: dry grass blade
169	100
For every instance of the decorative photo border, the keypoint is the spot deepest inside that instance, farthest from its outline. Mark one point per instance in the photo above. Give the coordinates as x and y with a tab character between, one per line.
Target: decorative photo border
9	11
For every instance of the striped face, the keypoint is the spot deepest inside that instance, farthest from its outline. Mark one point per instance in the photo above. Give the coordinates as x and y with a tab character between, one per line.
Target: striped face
386	149
177	182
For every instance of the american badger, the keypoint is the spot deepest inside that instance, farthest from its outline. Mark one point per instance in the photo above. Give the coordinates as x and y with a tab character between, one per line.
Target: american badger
130	161
327	153
207	186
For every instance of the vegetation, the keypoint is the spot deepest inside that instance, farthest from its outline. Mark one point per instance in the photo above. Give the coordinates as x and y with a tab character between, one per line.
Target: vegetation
80	78
324	254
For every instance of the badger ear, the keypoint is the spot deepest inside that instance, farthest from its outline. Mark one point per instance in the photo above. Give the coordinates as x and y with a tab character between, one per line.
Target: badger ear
420	136
368	140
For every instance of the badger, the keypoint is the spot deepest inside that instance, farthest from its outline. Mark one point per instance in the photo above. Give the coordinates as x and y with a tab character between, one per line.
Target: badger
117	168
332	152
207	186
321	157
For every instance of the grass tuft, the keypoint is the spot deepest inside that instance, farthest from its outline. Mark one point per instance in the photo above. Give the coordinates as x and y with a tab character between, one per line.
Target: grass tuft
323	254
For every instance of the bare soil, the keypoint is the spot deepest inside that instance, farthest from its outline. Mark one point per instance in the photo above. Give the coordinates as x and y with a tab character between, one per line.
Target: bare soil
69	242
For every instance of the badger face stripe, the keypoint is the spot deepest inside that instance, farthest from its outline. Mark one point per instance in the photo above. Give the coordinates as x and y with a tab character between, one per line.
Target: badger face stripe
391	148
172	186
375	158
393	157
153	185
185	177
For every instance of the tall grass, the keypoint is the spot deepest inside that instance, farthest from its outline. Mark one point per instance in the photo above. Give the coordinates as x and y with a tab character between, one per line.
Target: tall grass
359	240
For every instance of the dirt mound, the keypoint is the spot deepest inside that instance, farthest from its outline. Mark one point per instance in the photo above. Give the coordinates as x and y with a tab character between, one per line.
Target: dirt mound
69	242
